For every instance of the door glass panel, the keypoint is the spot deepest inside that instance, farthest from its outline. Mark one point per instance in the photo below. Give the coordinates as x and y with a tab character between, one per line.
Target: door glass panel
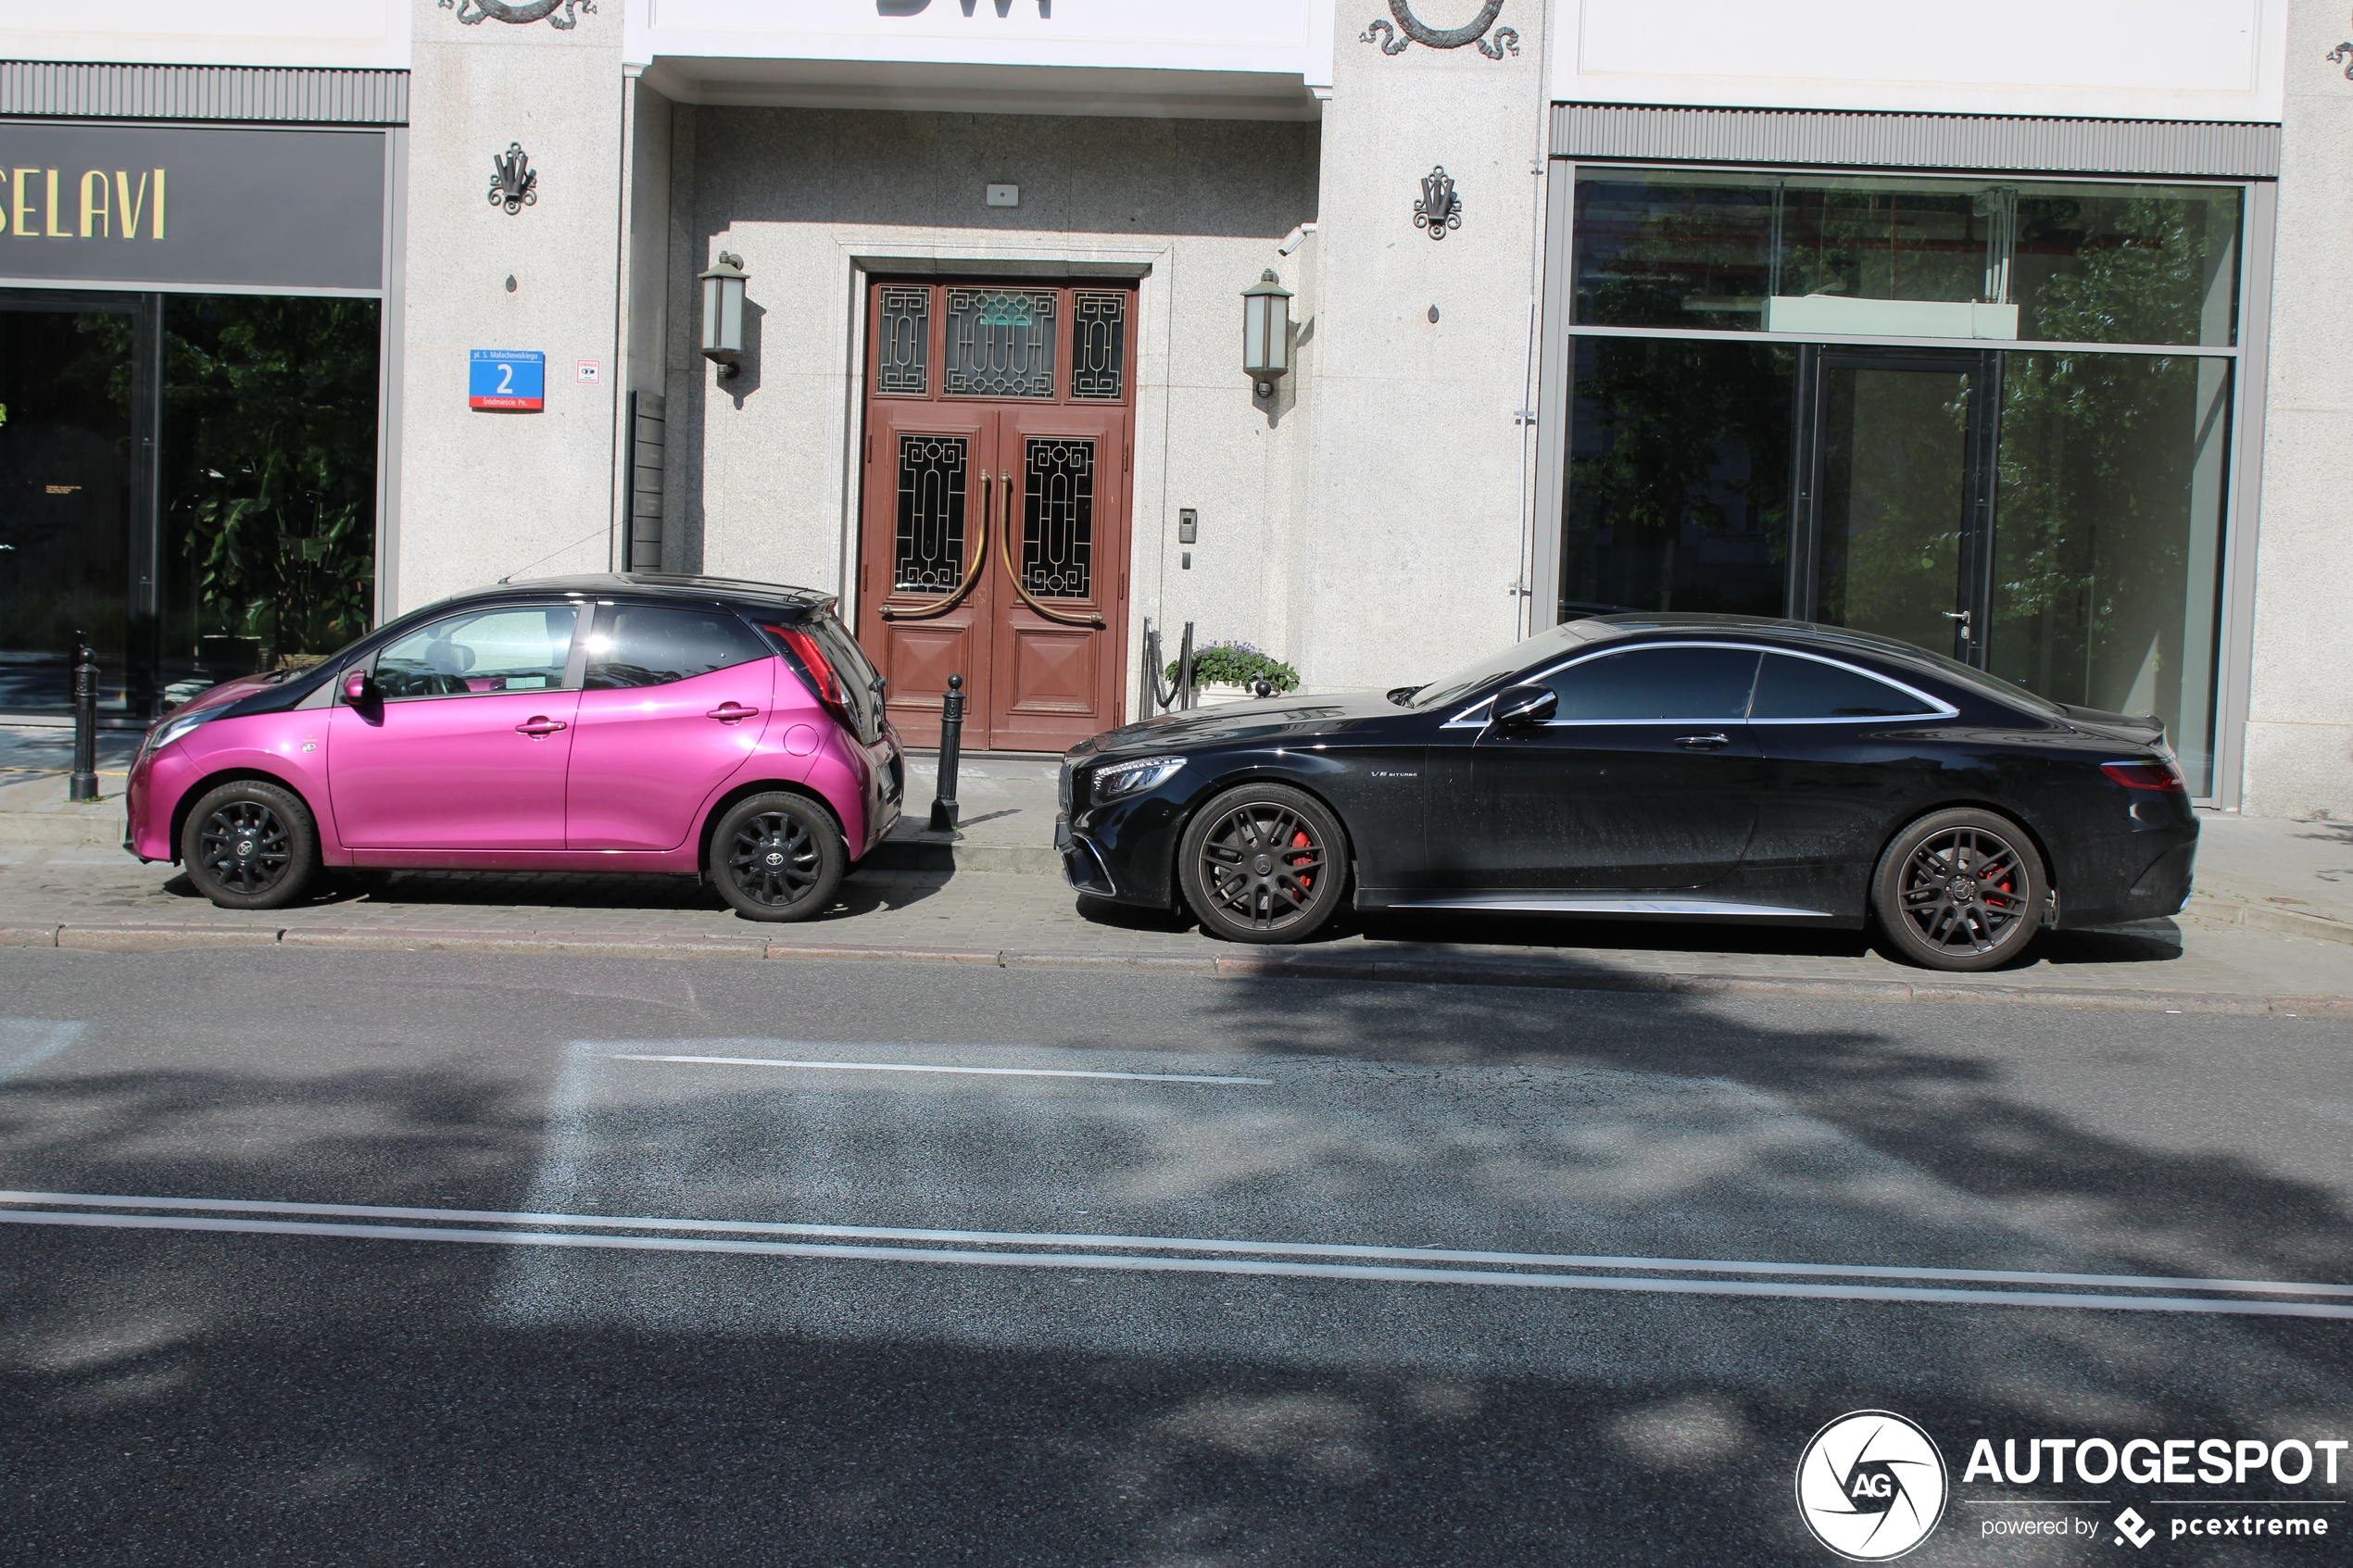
930	555
65	502
2107	537
1000	343
1653	683
1895	486
1098	345
902	347
652	646
498	650
1677	478
1807	688
1058	517
1906	255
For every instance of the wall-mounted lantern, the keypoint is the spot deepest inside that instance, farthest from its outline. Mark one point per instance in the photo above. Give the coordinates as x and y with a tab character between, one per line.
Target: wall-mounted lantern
1266	332
723	314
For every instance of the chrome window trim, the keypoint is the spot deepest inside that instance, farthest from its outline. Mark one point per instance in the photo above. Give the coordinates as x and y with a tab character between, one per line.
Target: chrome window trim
1939	708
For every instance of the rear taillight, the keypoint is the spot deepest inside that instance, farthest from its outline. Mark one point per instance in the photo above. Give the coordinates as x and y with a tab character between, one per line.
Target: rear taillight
821	670
2163	777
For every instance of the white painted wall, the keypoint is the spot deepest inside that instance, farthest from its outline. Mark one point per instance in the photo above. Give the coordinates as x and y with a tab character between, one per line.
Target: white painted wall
2138	59
350	33
2299	730
486	495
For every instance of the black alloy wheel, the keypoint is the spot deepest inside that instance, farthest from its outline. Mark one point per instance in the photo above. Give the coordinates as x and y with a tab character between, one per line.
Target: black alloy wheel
1961	889
1264	863
249	846
777	857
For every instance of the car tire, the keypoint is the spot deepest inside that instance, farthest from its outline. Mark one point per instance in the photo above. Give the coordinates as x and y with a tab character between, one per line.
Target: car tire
1961	890
1263	863
250	845
777	857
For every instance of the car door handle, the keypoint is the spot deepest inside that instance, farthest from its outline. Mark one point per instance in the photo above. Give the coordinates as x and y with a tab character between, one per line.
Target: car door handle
729	712
538	726
1703	743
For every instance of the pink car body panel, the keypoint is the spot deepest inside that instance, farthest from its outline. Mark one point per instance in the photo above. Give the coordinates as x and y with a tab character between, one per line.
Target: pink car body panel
499	798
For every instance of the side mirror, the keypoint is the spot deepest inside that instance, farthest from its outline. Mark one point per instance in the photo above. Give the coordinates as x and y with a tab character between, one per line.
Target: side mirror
1524	705
359	690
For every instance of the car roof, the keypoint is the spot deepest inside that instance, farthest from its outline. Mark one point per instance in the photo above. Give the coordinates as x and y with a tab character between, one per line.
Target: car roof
1800	633
664	585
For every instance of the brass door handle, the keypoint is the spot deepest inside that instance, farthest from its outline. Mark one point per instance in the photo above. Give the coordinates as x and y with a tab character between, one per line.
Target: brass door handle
1005	547
972	573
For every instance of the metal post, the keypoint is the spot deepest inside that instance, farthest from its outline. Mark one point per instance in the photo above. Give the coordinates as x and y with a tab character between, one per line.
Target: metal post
1185	671
83	785
1150	682
951	738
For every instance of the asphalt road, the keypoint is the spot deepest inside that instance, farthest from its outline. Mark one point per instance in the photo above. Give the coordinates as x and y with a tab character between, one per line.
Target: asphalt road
311	1258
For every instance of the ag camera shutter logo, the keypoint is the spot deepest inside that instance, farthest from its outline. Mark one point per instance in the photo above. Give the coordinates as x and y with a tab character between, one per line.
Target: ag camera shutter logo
1871	1485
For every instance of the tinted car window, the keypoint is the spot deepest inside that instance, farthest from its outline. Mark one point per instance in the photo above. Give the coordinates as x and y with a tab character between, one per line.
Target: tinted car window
1656	684
508	649
1502	662
1800	688
654	645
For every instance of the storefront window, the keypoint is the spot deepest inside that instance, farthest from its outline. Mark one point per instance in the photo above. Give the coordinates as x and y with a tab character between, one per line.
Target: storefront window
65	500
1906	256
2108	536
269	483
1679	492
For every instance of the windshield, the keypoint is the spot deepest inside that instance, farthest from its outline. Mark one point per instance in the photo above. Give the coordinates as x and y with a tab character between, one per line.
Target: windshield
1518	656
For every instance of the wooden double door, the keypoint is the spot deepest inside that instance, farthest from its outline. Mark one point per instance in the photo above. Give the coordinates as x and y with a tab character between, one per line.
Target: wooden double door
994	518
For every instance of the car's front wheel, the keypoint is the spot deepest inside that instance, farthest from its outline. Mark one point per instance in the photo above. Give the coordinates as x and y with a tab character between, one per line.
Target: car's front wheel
1961	889
777	857
249	846
1263	863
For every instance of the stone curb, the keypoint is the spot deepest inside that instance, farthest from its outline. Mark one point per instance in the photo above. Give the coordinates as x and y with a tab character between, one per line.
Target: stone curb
2221	908
1386	968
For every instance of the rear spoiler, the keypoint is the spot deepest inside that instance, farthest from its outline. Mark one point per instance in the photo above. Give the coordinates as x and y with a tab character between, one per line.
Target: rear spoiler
2146	729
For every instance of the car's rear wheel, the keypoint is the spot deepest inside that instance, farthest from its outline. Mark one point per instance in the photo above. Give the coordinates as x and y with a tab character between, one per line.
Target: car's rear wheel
249	846
1263	863
777	857
1961	889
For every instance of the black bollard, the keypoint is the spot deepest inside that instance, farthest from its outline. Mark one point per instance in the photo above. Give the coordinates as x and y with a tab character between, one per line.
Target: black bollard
83	785
951	737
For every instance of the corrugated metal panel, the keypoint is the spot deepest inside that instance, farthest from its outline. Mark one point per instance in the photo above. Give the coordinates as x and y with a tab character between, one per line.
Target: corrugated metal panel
70	90
1917	140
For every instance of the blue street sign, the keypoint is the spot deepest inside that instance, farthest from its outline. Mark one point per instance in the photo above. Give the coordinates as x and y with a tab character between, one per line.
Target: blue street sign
507	378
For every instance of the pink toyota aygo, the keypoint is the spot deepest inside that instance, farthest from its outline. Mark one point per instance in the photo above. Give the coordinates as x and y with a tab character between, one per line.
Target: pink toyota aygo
627	724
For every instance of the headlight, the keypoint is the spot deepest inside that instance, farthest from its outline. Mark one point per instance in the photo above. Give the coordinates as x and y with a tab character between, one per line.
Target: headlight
1127	778
170	730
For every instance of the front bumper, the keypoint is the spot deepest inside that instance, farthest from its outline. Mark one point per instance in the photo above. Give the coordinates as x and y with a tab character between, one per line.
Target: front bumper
1083	866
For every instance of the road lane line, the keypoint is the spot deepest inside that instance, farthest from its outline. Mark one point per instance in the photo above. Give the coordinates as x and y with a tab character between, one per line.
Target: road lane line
917	1067
1229	1266
1180	1244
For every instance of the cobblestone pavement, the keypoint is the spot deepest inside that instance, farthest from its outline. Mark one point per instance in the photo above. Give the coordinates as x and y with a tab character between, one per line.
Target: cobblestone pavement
105	898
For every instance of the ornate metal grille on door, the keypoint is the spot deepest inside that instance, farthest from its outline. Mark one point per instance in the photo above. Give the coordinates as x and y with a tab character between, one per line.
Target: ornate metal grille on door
930	553
1000	343
1058	517
1098	345
902	347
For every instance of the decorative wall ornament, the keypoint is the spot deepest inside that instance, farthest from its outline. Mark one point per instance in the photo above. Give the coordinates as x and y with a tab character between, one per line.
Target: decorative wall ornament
473	13
514	185
1414	31
2342	55
1438	209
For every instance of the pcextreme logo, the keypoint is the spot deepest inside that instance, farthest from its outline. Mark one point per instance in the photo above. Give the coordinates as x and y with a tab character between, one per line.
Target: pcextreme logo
1871	1485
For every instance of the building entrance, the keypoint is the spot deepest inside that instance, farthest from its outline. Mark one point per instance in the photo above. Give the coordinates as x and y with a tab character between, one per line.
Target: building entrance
994	509
1895	496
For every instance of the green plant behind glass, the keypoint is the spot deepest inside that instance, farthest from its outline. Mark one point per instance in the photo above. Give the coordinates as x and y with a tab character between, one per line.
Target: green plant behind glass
272	467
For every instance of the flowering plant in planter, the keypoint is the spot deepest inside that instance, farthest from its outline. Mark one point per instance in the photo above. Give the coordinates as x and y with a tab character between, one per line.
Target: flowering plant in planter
1237	664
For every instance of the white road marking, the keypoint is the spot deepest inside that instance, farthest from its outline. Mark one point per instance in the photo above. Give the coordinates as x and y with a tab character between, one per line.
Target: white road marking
1554	1261
1920	1295
919	1067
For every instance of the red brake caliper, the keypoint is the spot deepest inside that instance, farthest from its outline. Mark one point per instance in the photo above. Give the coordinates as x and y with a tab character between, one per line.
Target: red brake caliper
1301	841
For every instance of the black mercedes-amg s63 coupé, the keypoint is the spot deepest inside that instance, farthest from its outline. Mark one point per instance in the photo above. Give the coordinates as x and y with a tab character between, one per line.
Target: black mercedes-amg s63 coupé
1650	766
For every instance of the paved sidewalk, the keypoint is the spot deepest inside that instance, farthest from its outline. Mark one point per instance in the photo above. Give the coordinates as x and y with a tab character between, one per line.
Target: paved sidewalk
2268	932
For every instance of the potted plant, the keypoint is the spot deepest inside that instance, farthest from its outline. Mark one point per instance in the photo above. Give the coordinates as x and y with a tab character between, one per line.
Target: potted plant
1231	672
